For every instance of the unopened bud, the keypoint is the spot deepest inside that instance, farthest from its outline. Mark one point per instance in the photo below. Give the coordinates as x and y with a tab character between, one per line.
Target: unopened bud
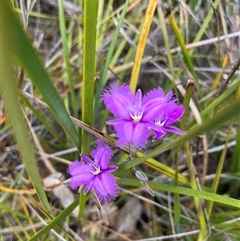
149	190
141	176
167	140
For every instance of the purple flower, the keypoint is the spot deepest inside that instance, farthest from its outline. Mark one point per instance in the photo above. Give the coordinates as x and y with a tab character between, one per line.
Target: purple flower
136	116
95	174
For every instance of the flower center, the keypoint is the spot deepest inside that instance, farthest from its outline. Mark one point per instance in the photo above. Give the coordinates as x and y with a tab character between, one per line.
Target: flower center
160	122
97	169
136	112
136	115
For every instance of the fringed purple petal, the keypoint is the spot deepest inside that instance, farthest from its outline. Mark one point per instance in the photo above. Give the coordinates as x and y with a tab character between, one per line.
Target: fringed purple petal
81	174
170	97
88	187
159	131
133	133
111	169
153	94
105	187
117	121
88	160
81	179
79	167
138	100
118	99
153	108
175	114
102	154
175	130
153	103
160	134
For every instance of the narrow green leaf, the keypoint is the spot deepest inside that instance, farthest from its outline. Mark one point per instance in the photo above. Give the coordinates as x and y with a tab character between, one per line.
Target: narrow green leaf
235	162
27	57
59	218
205	24
66	53
221	98
16	213
166	38
183	191
193	183
217	175
186	102
186	55
19	127
41	118
89	45
10	224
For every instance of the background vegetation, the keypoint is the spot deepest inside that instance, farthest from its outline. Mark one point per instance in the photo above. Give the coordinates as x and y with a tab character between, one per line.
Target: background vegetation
56	58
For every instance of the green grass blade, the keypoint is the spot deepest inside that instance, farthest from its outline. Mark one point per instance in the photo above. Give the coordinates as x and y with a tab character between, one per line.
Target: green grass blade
66	53
186	55
128	58
166	39
17	213
89	46
26	56
205	24
42	118
59	218
9	223
217	176
218	101
20	129
193	183
183	191
186	102
235	162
